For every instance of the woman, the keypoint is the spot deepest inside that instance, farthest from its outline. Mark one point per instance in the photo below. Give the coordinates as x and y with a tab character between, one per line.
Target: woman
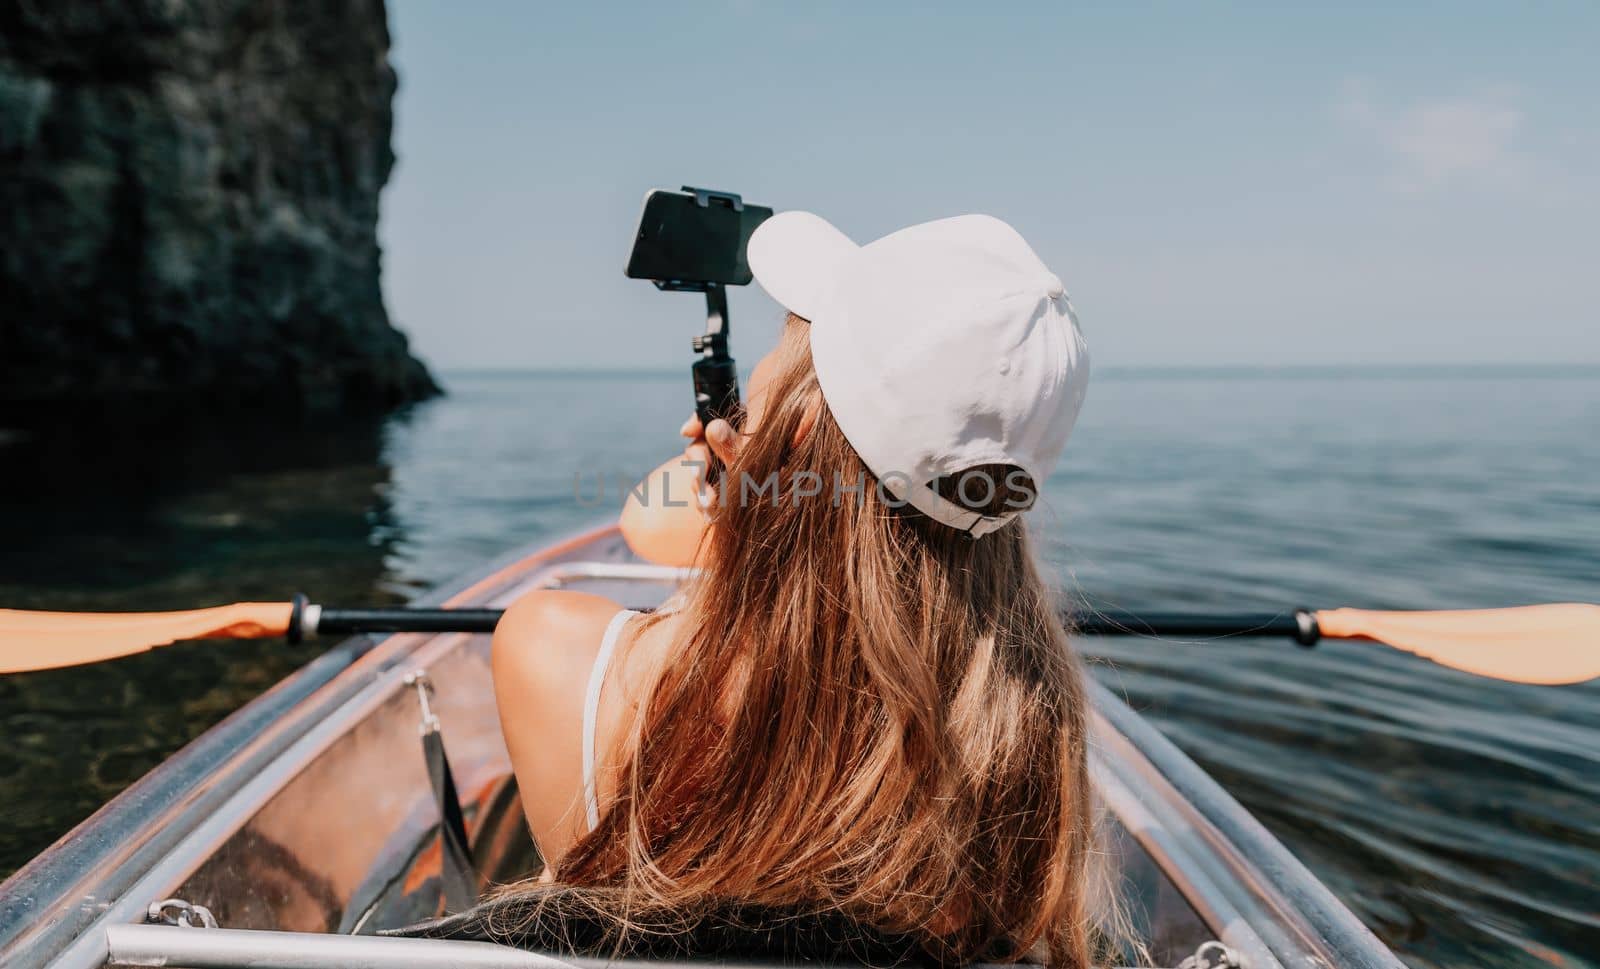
864	712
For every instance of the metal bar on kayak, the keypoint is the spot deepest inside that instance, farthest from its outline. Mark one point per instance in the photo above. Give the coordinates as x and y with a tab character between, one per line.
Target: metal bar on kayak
166	945
196	948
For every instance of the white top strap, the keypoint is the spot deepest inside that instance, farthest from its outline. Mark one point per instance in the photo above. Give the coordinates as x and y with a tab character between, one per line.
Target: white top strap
591	711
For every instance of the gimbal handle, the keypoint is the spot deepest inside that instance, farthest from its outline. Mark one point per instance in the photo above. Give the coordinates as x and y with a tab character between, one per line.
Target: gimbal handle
716	378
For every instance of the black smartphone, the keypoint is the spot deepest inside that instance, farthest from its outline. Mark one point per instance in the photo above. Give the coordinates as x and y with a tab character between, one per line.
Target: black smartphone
691	238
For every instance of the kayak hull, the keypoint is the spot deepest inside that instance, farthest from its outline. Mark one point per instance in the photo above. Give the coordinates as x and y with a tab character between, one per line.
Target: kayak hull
309	810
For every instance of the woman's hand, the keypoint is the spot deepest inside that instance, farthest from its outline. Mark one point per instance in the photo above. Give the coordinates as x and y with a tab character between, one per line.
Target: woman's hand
719	440
664	519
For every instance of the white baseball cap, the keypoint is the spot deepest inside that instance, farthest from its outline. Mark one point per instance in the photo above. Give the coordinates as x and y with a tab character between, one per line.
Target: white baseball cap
939	348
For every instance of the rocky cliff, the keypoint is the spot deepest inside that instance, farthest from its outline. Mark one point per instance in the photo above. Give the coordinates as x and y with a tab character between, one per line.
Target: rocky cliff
189	205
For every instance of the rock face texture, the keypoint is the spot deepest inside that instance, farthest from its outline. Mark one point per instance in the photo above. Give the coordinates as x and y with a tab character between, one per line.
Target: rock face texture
189	205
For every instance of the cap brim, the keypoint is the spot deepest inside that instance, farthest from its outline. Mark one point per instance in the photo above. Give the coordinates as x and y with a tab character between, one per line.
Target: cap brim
795	256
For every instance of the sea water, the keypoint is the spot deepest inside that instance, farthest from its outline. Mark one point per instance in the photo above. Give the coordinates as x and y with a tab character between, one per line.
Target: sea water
1459	817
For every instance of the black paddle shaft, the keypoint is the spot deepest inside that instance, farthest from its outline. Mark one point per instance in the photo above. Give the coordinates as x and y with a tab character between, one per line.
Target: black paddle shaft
351	621
1299	625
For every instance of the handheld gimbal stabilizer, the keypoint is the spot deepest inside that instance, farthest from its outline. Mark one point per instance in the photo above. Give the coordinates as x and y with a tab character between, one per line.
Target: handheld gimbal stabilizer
716	378
695	241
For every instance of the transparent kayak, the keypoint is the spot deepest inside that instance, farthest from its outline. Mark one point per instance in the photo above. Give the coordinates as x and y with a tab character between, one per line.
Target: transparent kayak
305	822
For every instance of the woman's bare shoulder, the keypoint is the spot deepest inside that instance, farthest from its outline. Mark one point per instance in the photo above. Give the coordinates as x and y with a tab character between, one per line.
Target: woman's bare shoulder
551	636
556	609
544	650
544	653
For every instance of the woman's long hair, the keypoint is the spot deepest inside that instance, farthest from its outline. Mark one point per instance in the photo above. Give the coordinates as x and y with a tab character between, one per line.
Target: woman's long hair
866	713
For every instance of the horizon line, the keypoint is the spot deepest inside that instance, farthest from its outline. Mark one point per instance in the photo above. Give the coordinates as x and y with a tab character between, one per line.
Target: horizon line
1342	370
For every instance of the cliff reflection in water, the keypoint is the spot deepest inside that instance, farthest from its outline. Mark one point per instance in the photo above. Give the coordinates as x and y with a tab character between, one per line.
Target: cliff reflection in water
127	521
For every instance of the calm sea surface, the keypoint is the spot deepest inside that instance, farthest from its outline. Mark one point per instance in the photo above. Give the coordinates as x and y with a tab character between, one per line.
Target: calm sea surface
1459	817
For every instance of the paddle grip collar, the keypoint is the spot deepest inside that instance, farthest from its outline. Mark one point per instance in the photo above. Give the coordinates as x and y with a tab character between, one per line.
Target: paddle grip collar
297	614
1306	632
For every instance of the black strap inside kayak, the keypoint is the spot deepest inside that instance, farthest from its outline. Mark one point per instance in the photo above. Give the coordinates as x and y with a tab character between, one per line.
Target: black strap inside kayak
456	871
457	875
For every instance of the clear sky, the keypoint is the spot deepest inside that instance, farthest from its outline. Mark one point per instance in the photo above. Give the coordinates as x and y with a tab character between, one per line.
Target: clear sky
1217	183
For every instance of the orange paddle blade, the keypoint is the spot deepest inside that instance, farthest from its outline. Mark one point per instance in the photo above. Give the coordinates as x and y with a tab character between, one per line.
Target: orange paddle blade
1546	645
45	640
